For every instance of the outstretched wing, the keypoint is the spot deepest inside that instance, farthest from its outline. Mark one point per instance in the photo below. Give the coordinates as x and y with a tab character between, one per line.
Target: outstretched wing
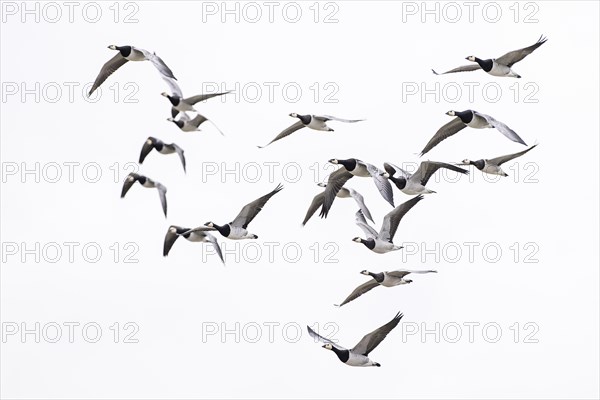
334	184
322	339
502	159
170	239
443	133
362	223
359	291
129	181
288	131
158	63
428	168
394	170
370	341
251	210
515	56
180	152
173	86
401	273
107	70
464	68
326	118
361	203
382	183
393	218
202	97
213	240
162	193
317	202
146	148
502	128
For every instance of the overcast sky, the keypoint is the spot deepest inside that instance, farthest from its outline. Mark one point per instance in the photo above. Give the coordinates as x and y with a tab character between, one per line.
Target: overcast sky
515	300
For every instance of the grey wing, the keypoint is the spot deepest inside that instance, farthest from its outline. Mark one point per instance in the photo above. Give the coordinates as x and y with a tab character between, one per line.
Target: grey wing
185	117
502	159
401	273
322	339
146	149
371	340
180	152
158	63
444	132
170	239
382	183
107	70
296	126
502	128
198	120
393	218
128	183
173	86
213	240
364	225
332	118
202	97
396	171
513	57
251	210
317	202
464	68
335	182
428	168
162	193
361	203
359	291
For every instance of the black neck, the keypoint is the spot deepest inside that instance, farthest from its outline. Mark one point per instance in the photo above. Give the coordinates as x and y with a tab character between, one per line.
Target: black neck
305	119
349	164
370	243
343	355
124	50
479	164
224	230
465	116
399	182
174	99
486	65
378	277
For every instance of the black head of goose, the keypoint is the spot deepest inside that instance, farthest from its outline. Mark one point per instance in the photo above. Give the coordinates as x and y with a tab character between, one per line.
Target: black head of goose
465	116
304	118
124	50
349	164
369	243
485	65
224	230
174	99
377	276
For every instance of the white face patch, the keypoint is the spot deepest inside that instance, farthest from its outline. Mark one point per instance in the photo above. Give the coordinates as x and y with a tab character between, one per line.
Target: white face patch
173	230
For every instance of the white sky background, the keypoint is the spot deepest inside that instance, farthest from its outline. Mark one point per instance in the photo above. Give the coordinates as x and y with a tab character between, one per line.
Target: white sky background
371	55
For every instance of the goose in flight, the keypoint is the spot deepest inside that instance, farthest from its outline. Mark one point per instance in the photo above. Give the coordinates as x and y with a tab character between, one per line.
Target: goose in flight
472	119
492	166
358	356
199	234
316	122
147	183
129	53
344	192
187	124
181	104
413	184
236	229
381	242
501	66
153	143
387	279
354	167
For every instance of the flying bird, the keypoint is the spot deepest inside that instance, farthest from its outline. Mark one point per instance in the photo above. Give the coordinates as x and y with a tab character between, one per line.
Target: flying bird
413	184
354	167
147	183
501	66
199	234
187	124
317	202
181	104
153	143
381	242
472	119
236	229
358	356
316	122
492	166
387	279
129	53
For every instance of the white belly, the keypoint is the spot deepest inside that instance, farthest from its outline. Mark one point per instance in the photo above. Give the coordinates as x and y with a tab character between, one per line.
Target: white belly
492	169
390	281
189	128
382	247
136	55
358	360
499	70
413	188
184	107
317	125
478	123
238	233
167	150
